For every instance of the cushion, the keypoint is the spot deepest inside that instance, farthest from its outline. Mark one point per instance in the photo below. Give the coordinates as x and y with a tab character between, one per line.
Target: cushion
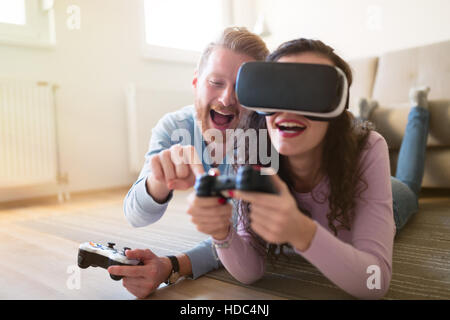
396	74
390	121
400	70
364	71
434	69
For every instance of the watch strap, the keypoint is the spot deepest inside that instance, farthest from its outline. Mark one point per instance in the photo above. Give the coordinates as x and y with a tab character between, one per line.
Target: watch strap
174	273
175	264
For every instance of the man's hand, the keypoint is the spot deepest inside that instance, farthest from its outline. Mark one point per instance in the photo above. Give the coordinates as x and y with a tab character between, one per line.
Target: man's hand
173	169
141	281
211	215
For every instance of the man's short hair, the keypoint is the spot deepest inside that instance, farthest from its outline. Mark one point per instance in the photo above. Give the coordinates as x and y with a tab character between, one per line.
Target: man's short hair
239	40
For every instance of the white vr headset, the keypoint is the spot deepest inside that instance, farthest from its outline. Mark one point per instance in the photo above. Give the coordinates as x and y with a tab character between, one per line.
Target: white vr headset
316	91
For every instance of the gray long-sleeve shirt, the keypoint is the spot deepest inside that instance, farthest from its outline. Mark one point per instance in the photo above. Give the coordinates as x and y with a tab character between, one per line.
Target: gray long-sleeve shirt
140	209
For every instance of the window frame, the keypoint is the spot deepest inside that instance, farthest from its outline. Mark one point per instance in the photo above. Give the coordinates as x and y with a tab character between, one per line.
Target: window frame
168	54
39	29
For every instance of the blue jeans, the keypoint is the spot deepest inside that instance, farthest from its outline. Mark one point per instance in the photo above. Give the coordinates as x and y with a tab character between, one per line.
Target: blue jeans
407	182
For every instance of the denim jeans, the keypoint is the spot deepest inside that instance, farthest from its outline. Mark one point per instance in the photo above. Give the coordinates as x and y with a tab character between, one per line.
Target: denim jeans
410	167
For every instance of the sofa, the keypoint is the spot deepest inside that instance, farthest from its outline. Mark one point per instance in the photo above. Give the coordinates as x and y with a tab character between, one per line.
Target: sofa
387	79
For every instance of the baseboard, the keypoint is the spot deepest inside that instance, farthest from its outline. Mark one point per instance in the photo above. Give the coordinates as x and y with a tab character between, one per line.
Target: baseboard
53	199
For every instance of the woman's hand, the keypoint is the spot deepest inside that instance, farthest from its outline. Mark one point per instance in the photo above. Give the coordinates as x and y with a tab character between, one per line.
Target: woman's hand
211	215
276	218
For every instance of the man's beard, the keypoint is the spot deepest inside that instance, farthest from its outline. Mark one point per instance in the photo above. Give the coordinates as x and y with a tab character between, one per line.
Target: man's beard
215	139
206	114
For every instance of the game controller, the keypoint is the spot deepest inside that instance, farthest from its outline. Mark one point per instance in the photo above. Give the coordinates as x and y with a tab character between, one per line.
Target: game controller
248	178
91	254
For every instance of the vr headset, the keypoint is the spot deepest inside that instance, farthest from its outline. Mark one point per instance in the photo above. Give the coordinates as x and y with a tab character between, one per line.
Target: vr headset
316	91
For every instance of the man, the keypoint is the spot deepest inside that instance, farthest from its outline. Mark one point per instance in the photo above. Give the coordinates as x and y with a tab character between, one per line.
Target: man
172	164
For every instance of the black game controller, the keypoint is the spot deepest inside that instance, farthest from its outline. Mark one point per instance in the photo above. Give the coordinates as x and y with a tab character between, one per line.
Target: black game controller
91	254
247	178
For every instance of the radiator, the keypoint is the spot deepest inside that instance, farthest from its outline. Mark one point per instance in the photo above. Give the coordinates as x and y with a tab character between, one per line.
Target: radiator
145	106
28	139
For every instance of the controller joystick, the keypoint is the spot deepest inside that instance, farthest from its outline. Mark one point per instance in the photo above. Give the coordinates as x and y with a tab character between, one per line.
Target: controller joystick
247	178
92	254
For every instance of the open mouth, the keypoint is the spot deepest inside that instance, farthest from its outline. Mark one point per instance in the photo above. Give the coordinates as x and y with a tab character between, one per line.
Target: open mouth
221	119
290	127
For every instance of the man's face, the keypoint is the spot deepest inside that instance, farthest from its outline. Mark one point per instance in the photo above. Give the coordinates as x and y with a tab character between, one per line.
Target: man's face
216	103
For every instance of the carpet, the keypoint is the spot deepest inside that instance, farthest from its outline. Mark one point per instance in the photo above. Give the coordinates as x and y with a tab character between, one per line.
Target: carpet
421	263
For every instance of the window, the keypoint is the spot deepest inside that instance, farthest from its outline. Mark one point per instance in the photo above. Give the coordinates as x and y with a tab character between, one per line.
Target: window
179	29
27	22
12	11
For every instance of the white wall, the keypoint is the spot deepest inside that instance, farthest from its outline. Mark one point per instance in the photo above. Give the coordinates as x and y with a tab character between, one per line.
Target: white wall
358	28
92	66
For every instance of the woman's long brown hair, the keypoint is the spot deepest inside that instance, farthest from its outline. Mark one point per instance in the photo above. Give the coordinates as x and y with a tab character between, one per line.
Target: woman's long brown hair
345	139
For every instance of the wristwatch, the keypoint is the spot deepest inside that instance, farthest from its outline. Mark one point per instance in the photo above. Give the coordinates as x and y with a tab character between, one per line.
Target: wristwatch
175	273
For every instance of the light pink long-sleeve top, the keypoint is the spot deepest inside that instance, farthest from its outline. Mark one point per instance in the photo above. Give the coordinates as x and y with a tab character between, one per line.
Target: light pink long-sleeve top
354	258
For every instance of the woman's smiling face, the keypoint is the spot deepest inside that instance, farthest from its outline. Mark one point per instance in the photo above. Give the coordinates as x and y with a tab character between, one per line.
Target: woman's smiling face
294	134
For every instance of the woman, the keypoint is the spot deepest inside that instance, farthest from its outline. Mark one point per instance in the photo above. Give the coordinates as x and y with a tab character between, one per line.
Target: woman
335	202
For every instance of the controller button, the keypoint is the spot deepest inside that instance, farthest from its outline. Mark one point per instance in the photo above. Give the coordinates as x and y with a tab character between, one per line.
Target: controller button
111	245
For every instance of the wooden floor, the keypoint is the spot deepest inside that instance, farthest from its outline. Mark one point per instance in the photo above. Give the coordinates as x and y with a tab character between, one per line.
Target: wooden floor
39	243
